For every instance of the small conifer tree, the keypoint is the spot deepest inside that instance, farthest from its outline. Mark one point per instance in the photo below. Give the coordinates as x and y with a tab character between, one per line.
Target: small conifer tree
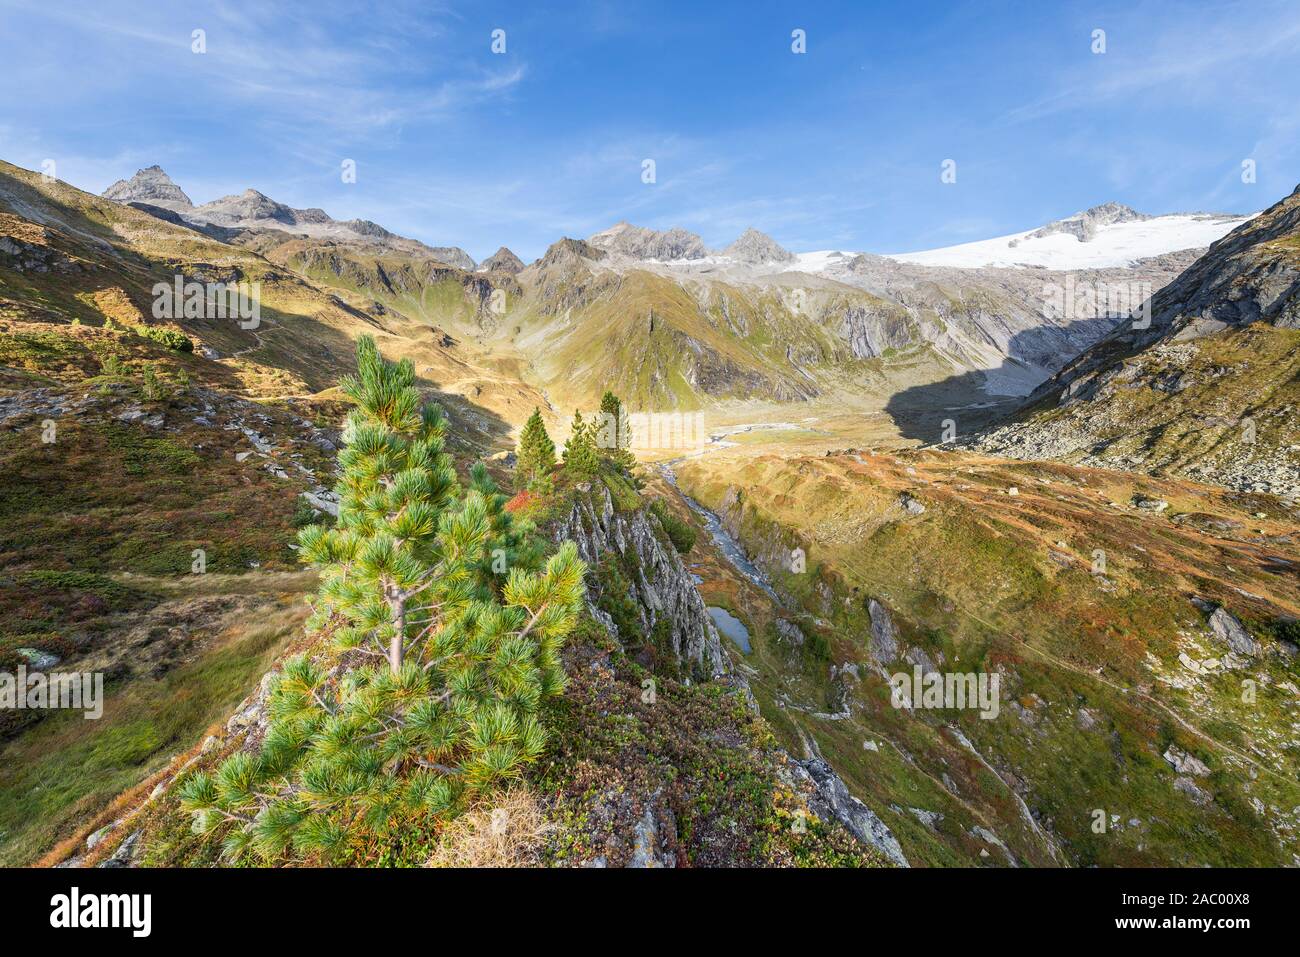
435	583
581	460
615	432
536	455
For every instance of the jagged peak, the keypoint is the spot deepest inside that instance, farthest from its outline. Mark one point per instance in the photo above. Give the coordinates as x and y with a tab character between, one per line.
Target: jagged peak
503	260
150	185
641	242
569	251
754	246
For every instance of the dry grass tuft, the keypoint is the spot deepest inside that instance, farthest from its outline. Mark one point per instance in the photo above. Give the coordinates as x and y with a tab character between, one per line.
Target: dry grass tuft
507	831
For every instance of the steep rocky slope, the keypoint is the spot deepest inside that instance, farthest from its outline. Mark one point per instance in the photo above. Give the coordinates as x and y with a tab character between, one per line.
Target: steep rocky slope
1210	387
1132	623
152	186
503	260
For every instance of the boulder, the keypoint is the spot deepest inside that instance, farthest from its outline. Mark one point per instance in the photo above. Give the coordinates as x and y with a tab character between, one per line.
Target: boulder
1229	629
1184	763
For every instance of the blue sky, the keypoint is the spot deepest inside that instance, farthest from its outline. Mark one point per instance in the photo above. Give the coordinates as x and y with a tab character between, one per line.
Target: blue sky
839	147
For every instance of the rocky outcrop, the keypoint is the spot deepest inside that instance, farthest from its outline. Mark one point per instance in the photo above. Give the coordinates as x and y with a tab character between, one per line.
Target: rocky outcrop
884	634
832	801
1083	226
662	588
1228	629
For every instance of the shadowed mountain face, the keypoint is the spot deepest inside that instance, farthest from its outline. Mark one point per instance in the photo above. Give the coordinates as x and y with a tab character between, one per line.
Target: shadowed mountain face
1208	387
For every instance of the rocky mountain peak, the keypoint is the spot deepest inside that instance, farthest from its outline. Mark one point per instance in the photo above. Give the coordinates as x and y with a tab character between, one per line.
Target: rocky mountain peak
567	252
639	242
756	247
249	205
503	260
1083	226
150	185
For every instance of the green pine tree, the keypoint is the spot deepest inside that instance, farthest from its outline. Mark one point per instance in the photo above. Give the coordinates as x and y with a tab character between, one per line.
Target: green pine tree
536	454
614	432
435	584
581	459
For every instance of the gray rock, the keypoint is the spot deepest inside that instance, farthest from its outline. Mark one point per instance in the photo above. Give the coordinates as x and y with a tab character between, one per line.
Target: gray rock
37	659
93	841
151	186
930	819
322	501
661	589
988	837
1229	629
884	636
126	853
756	247
637	242
1188	787
1184	763
1149	504
645	844
789	631
833	801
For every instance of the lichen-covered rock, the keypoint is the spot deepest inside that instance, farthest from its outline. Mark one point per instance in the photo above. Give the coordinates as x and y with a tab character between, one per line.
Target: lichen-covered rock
1227	628
1184	763
834	802
662	588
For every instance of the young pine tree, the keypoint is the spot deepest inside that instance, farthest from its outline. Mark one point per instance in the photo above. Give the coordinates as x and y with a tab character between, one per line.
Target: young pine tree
434	584
581	460
614	434
536	455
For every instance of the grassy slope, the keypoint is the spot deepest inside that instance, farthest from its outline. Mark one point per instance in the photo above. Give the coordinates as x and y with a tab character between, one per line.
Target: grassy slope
663	344
1066	638
1189	431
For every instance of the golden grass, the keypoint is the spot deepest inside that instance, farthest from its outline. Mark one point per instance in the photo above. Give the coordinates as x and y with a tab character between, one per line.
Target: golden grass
507	831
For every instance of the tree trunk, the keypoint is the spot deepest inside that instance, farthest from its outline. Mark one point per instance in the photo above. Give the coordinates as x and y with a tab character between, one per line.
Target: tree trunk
399	638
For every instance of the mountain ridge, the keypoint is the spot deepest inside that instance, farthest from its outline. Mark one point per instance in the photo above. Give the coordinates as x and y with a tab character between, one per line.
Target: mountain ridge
254	210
